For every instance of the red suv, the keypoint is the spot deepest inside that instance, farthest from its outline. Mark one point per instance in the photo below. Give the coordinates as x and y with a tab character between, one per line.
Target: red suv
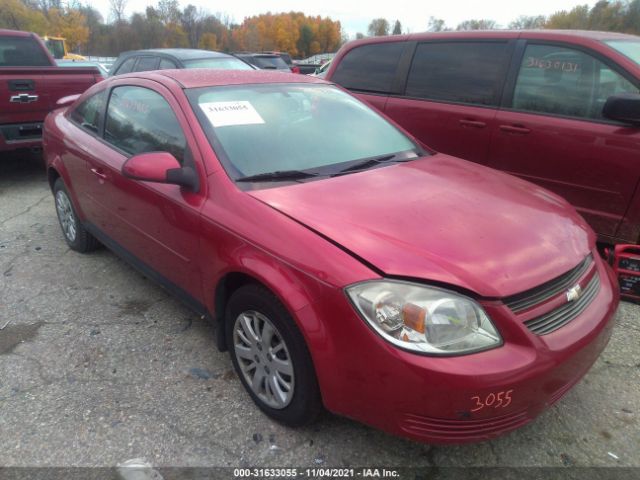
558	108
343	264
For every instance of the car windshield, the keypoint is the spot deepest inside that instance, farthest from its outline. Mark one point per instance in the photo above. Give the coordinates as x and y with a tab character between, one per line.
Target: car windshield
285	128
220	63
628	48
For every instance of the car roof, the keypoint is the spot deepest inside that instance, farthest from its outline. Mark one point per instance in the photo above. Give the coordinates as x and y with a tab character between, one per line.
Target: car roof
202	77
179	53
263	54
14	33
473	34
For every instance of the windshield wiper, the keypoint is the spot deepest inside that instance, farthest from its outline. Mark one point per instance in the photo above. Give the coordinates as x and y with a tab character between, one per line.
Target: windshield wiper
278	175
373	161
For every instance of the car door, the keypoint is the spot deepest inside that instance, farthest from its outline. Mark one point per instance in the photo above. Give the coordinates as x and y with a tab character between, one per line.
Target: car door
551	131
452	93
82	143
156	225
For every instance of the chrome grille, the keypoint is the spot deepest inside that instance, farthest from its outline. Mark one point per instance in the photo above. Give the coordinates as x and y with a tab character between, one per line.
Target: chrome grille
550	322
525	300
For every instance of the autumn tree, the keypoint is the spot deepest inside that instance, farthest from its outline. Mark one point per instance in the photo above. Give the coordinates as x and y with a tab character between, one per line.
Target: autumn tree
482	24
117	9
436	25
16	15
524	22
378	27
70	24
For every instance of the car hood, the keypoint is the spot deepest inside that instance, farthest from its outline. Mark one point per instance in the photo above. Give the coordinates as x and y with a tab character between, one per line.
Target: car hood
443	219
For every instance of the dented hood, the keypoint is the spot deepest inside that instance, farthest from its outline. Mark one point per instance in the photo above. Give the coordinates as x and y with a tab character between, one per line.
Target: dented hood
443	219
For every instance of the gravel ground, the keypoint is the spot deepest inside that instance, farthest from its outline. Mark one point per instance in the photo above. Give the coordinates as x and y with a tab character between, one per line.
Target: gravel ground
99	365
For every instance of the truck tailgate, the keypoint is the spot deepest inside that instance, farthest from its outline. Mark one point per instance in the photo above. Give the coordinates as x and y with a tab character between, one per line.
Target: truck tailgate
28	94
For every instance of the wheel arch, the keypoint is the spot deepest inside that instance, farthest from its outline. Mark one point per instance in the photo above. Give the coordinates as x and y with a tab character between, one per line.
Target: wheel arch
292	288
56	169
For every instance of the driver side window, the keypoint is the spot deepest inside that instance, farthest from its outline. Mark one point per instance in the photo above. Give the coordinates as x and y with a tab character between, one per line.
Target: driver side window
564	81
140	120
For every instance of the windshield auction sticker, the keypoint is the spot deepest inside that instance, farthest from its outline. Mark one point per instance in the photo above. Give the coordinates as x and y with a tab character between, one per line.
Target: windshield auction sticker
224	114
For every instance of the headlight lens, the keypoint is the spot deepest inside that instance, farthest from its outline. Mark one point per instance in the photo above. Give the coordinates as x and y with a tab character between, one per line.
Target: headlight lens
424	319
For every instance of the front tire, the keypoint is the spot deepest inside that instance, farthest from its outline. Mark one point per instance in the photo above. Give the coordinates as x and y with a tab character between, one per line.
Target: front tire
76	236
271	357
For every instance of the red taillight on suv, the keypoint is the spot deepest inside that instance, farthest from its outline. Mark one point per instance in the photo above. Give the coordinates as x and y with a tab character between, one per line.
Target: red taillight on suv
295	69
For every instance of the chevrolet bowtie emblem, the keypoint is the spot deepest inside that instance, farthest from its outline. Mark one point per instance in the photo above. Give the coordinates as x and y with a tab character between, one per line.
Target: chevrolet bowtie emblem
574	293
23	98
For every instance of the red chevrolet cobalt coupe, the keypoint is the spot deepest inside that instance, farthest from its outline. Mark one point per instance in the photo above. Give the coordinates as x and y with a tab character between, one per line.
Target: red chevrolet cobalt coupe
345	265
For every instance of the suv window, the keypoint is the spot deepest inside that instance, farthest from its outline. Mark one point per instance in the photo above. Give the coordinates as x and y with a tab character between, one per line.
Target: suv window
87	114
370	68
147	63
22	52
166	64
465	72
563	81
126	66
139	120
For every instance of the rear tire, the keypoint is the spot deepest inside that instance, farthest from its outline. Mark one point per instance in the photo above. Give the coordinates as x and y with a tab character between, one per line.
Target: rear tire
76	236
271	357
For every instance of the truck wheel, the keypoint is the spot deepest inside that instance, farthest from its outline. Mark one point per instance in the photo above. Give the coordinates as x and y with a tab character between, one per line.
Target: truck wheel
271	357
74	233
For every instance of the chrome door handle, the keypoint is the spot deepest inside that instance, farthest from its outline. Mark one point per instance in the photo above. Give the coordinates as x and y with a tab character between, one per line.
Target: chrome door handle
522	130
99	174
465	122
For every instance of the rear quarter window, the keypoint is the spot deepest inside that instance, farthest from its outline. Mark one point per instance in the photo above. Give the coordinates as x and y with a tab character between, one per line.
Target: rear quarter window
146	64
369	68
88	114
126	66
22	52
462	72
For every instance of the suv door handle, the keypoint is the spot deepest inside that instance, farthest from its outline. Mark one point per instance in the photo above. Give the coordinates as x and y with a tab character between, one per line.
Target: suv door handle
515	129
465	122
99	174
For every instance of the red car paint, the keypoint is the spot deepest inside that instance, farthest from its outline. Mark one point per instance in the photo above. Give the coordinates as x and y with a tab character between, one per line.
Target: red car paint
455	224
594	164
21	122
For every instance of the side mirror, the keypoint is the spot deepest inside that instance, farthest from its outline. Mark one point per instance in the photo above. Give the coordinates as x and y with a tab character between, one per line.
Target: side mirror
624	107
160	167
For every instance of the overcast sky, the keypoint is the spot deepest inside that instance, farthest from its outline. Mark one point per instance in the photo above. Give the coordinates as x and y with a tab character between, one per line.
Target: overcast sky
355	16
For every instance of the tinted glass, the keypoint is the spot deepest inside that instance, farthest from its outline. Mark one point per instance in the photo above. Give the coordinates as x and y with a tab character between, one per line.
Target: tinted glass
370	68
126	66
628	48
222	63
139	120
87	114
266	128
147	63
22	52
563	81
464	72
271	62
166	64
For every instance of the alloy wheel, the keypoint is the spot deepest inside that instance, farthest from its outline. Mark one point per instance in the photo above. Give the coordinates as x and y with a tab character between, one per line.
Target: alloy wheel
264	359
66	215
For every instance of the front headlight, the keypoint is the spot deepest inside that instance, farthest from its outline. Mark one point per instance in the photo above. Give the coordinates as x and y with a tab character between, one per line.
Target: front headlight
424	319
